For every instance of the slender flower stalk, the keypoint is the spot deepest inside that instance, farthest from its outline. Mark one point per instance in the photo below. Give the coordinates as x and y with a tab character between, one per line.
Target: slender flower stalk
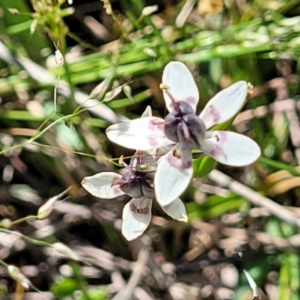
187	131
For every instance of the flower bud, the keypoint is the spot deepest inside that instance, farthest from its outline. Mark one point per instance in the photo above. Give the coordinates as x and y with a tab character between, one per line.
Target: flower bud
6	223
107	7
150	52
148	10
65	251
100	89
127	91
33	26
46	209
250	89
59	59
15	273
13	11
113	93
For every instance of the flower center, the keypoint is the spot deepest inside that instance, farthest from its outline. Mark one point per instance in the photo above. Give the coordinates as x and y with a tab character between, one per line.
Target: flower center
135	183
183	126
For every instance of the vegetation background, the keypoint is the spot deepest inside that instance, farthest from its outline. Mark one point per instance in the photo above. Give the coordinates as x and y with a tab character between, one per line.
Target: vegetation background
53	113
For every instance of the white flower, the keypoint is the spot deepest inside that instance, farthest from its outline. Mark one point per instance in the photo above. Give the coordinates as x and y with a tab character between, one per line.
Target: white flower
187	131
136	183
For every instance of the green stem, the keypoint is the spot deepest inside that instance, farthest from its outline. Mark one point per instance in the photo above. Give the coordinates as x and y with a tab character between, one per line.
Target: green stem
3	263
80	280
67	117
26	238
278	165
69	80
23	220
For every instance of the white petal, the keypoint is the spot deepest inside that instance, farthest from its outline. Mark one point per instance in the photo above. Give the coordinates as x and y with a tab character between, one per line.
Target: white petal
171	179
136	217
231	148
225	104
176	210
180	84
101	185
140	134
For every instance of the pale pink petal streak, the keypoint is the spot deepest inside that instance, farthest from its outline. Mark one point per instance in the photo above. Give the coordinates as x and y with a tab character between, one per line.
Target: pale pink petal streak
231	148
176	210
102	185
225	104
139	134
136	217
171	179
179	82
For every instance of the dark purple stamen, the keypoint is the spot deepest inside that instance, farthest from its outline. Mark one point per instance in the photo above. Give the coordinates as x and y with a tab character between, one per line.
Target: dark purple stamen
135	209
183	126
135	183
174	102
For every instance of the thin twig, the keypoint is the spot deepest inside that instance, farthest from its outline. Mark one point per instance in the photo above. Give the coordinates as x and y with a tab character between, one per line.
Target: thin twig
240	189
127	291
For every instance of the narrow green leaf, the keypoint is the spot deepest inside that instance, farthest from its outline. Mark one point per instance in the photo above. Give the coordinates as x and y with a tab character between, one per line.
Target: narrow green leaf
278	165
215	206
203	166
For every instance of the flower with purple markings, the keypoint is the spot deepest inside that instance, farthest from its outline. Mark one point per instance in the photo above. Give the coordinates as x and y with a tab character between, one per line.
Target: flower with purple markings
137	183
188	131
